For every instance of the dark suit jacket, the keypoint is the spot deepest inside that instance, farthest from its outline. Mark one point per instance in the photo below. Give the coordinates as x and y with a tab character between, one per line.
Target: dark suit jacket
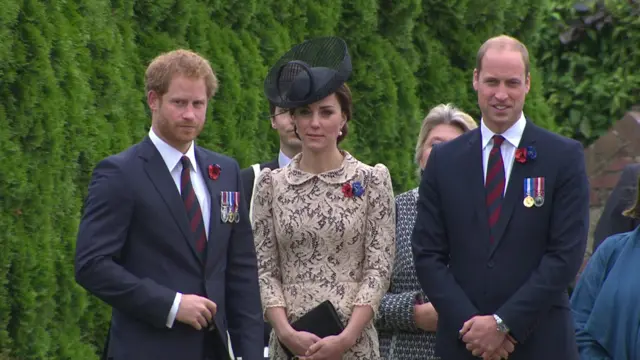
248	178
622	197
523	276
134	252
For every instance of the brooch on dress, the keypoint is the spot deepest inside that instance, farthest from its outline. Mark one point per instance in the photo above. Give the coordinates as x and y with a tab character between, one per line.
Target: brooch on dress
354	189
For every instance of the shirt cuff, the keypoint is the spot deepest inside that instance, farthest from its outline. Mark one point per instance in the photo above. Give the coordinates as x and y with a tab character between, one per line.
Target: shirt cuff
174	310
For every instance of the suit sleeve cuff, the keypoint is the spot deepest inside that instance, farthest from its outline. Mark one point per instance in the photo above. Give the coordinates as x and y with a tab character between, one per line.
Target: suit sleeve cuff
174	310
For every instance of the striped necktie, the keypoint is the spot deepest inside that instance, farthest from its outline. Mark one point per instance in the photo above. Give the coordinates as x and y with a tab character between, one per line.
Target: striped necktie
192	206
494	183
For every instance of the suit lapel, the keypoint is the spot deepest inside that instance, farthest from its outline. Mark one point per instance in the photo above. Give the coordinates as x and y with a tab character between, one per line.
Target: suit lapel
514	188
204	161
475	174
157	171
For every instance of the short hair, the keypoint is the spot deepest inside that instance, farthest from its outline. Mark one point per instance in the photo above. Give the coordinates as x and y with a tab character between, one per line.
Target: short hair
272	110
345	99
503	42
187	63
442	114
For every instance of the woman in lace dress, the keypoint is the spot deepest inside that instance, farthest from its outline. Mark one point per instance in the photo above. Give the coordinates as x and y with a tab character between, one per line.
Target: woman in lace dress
324	229
407	321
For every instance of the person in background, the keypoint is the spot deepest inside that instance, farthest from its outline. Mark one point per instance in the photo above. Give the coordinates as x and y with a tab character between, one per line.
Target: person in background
612	221
407	321
605	302
290	145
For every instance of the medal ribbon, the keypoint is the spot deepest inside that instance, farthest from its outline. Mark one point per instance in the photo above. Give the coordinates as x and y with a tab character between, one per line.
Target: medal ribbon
232	201
540	187
223	206
528	184
237	204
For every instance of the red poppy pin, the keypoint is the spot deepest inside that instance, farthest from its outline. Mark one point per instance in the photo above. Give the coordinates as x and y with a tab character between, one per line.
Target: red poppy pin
351	190
214	171
525	154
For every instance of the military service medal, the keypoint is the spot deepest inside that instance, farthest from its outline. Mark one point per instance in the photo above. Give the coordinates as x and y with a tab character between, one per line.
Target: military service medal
539	191
232	207
236	217
224	207
528	193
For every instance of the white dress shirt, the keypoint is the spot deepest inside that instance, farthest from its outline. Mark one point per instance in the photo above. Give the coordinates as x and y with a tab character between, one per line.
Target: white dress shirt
171	157
283	160
508	148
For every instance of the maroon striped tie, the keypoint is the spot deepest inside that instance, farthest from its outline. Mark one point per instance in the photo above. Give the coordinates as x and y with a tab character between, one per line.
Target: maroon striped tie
191	204
494	183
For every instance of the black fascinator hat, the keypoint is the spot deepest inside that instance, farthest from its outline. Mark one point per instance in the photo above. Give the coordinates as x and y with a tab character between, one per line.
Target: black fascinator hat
309	72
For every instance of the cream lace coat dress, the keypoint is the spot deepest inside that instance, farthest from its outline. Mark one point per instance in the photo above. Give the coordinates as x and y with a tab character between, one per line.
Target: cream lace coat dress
314	243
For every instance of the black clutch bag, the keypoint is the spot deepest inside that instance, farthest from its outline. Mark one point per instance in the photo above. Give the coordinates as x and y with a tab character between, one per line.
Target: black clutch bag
322	320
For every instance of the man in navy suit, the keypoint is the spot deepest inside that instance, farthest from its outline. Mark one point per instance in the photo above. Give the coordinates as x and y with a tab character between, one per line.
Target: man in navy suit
290	145
500	236
165	237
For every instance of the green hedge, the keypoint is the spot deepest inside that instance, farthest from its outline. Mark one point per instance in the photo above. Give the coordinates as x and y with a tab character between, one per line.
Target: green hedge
590	59
71	93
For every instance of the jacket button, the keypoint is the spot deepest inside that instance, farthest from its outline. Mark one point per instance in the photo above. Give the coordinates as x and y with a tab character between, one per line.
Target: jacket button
491	264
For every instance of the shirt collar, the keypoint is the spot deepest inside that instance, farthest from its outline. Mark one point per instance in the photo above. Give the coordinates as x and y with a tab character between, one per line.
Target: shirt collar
511	135
283	160
171	155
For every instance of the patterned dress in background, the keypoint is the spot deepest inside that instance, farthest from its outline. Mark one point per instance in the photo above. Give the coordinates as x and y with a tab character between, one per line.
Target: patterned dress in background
400	339
314	243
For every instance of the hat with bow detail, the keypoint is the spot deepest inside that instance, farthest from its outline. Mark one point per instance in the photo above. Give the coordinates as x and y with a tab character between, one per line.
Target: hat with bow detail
309	72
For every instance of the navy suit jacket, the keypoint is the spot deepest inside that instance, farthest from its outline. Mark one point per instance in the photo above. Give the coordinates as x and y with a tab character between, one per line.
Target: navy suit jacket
523	276
249	178
134	252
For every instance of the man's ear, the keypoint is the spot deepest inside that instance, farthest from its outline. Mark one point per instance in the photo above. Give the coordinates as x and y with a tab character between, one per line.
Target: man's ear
153	100
475	79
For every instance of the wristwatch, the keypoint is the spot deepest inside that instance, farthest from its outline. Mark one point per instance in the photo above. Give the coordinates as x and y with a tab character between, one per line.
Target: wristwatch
502	327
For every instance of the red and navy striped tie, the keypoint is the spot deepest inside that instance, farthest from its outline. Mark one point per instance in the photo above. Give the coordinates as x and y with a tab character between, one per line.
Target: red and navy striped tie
191	204
494	183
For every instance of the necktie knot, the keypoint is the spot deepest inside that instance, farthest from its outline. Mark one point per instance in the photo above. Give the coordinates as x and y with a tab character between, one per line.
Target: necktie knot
497	140
186	163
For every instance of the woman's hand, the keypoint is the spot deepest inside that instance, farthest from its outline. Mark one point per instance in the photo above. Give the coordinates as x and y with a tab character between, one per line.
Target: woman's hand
299	342
329	348
426	317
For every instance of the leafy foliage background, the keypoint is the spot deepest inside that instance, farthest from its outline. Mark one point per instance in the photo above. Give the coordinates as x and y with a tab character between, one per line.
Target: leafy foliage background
71	93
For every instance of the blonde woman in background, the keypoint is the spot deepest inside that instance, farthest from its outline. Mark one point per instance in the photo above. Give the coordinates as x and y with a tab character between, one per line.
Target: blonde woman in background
407	321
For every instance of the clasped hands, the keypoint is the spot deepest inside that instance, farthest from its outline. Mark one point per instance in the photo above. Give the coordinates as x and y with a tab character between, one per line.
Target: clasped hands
307	346
483	339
